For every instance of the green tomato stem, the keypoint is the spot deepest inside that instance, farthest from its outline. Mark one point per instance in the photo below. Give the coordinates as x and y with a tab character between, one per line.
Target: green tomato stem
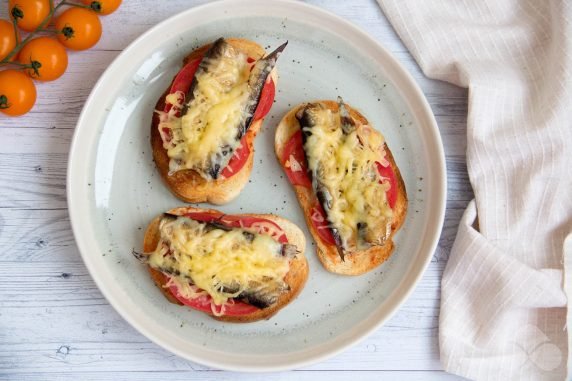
76	5
96	6
18	64
52	31
4	102
16	34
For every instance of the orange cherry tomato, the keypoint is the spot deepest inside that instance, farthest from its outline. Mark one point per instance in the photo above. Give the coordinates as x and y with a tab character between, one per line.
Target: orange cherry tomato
17	93
29	14
79	28
7	38
103	7
49	57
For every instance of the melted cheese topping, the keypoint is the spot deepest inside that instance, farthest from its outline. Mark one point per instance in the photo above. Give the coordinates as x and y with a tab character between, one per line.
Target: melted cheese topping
220	98
215	260
345	164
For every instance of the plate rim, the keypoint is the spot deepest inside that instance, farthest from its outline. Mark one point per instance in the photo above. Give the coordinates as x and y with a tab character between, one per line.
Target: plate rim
76	217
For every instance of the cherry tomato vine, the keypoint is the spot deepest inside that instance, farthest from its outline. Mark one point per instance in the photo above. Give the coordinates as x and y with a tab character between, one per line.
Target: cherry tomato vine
41	54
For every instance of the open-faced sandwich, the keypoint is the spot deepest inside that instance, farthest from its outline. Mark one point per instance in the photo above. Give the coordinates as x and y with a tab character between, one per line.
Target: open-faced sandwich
236	268
346	181
203	129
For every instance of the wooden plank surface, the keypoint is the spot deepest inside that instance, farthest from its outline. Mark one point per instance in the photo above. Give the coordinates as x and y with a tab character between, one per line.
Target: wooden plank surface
230	376
54	323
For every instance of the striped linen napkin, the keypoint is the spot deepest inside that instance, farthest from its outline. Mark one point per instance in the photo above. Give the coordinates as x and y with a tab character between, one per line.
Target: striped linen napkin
503	298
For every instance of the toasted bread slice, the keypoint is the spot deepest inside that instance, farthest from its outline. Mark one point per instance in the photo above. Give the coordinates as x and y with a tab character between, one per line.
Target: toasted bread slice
188	185
296	277
361	261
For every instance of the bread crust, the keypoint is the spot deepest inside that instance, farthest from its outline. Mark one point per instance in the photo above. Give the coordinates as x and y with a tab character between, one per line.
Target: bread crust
295	278
358	262
188	185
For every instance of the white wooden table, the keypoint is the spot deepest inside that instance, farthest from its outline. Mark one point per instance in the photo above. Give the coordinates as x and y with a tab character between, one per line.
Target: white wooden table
54	323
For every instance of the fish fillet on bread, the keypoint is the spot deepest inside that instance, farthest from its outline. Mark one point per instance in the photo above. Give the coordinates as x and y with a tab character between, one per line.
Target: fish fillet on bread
235	268
205	122
346	181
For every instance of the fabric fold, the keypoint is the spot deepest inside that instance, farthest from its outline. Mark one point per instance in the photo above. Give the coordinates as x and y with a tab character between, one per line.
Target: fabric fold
504	289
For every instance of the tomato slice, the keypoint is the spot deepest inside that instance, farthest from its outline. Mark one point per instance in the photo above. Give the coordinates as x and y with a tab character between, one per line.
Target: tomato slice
203	303
266	99
263	225
205	216
238	160
295	150
183	80
391	193
320	222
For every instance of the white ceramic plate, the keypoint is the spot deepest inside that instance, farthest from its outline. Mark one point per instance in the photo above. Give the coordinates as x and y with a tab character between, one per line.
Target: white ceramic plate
114	189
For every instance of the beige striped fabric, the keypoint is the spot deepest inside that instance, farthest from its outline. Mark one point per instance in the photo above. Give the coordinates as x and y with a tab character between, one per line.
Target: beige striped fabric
503	298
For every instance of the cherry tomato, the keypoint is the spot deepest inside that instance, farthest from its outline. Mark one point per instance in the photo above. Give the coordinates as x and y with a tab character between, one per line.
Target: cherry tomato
7	38
103	7
29	14
79	28
49	54
17	93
